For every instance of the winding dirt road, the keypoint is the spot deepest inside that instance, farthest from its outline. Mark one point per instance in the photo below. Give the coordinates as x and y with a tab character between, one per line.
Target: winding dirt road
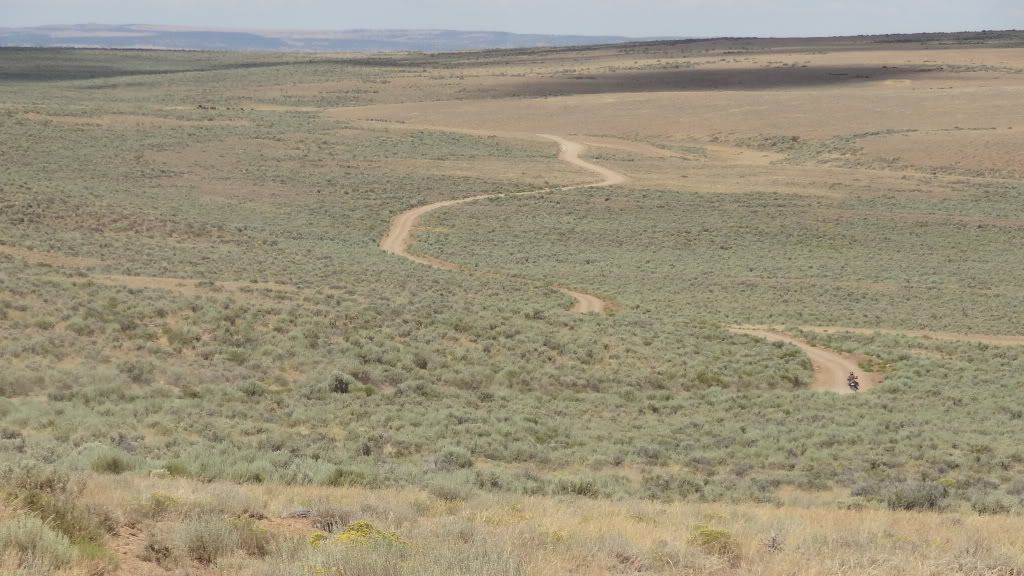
401	232
830	368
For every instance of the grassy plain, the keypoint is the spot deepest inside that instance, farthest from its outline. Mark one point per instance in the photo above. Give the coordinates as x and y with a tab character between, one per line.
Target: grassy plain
199	333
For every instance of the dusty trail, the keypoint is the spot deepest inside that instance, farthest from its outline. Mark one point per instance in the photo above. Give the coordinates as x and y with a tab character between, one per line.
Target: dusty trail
400	234
830	368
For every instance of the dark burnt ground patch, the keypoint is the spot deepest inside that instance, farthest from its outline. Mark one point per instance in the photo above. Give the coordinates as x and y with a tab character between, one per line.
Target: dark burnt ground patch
700	80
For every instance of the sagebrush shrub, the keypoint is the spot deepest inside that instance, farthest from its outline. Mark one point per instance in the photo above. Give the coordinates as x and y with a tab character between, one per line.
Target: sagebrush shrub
914	495
353	476
586	487
53	495
453	458
139	371
206	539
993	503
111	462
35	544
341	383
452	487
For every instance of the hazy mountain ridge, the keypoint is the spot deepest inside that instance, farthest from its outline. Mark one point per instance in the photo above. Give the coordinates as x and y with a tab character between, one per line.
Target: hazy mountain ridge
183	38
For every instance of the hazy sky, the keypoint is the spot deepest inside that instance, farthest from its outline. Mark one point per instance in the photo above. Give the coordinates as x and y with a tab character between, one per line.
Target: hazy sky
620	17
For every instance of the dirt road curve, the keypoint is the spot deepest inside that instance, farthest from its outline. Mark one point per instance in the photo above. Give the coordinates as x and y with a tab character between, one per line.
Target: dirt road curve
830	368
585	303
400	234
570	152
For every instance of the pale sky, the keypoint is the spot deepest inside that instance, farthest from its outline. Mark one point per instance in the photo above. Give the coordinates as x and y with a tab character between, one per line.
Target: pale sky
608	17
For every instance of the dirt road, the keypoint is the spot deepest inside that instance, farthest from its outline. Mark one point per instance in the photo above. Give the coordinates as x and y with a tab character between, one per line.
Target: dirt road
570	152
830	368
400	234
585	303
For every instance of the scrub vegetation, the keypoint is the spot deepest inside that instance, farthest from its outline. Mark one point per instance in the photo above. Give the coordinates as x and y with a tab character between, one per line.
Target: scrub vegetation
208	366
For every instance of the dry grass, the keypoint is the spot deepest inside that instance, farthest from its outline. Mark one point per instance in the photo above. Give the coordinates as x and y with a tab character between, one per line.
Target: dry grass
554	536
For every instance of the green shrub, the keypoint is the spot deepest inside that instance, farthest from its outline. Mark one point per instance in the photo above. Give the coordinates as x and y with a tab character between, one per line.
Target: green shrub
587	487
341	383
206	539
27	476
139	371
990	504
915	495
253	389
489	480
176	468
668	487
35	544
453	459
420	388
111	461
353	476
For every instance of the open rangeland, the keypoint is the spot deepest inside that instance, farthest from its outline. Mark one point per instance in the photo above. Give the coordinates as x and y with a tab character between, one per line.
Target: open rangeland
647	269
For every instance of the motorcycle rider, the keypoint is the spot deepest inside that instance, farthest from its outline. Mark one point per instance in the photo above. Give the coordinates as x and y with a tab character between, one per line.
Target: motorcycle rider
852	381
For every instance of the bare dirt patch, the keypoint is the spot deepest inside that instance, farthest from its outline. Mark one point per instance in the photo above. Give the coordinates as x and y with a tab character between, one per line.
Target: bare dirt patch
127	121
994	151
49	258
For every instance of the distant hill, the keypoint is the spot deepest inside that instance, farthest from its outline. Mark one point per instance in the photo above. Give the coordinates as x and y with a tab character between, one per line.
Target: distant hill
183	38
